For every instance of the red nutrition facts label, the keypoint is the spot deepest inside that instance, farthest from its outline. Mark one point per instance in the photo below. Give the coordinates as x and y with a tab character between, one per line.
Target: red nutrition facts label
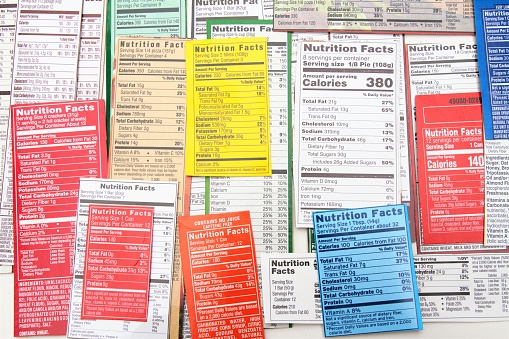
53	146
451	168
117	263
220	276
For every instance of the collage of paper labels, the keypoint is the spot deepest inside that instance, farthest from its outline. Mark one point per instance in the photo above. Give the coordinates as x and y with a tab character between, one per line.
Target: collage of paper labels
160	155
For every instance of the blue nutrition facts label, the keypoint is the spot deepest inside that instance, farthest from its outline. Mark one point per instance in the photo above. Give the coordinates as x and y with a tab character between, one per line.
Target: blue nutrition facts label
492	32
366	270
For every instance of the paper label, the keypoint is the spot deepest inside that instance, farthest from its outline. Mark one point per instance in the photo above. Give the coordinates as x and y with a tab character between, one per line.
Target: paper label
37	78
92	51
405	172
491	27
219	266
439	65
149	18
228	125
9	10
54	145
451	168
345	150
468	288
374	15
162	196
291	293
117	262
268	9
204	10
154	18
148	125
365	269
270	197
496	182
492	20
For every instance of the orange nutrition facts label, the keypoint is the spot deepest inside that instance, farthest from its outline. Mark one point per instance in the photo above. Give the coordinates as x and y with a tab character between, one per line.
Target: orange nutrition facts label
219	265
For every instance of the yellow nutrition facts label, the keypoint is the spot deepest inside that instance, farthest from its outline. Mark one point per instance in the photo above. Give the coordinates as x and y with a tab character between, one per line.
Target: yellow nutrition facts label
228	127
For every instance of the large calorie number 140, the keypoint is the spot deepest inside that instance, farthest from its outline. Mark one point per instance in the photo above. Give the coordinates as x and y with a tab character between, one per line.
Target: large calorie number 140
476	160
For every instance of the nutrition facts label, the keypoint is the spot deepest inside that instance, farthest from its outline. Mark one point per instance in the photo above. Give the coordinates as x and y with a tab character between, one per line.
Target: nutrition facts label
291	293
375	15
366	273
492	20
228	126
162	197
154	18
270	196
117	262
346	152
405	172
8	10
219	263
43	33
467	287
451	168
92	51
149	119
55	146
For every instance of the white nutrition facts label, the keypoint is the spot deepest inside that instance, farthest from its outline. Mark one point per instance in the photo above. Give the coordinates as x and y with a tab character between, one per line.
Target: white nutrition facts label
347	143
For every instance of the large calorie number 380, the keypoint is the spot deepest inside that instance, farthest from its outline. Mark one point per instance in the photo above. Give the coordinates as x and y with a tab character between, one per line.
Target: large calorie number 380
379	82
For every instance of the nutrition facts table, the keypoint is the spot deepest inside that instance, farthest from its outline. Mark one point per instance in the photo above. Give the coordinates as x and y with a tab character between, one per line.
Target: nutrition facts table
228	129
375	15
8	10
149	120
451	170
365	268
220	274
55	146
162	197
117	262
346	152
44	33
452	287
492	21
269	197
